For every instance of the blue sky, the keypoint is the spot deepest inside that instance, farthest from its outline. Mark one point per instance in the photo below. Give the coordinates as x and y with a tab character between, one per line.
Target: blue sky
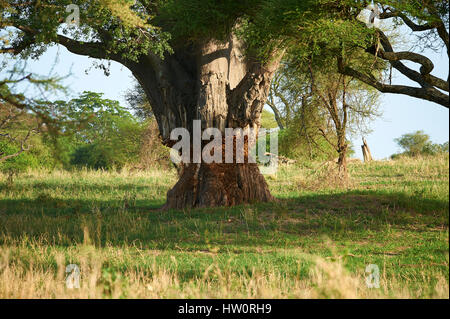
401	114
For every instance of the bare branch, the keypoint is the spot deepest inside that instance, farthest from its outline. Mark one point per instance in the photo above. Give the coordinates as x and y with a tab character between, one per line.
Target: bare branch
426	93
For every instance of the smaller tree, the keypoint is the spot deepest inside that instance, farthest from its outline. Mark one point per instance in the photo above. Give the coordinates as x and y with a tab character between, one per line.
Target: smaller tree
348	106
326	106
291	100
419	143
110	137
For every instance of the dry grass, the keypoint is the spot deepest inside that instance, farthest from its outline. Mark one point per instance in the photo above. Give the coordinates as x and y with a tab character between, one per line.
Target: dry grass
393	213
327	279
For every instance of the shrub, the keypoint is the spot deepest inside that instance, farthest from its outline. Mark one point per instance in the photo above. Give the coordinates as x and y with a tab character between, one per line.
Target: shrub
18	163
418	143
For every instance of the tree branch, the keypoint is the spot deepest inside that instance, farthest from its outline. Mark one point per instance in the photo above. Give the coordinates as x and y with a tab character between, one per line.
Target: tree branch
95	50
23	148
413	26
426	93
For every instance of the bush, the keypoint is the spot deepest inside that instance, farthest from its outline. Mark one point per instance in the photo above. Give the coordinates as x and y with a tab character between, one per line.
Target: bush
292	144
118	145
152	152
418	143
19	163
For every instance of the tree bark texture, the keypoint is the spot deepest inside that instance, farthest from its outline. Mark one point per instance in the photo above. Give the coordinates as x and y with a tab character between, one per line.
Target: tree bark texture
212	82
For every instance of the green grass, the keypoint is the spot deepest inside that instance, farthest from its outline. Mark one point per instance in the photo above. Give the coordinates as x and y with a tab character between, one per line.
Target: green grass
315	241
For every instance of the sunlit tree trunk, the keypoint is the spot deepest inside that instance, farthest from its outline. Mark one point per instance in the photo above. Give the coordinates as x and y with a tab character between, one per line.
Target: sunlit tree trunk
212	82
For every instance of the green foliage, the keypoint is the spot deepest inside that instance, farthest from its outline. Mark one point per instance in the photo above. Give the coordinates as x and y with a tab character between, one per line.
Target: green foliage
108	139
268	120
308	28
295	145
418	143
19	163
131	28
39	155
114	22
196	20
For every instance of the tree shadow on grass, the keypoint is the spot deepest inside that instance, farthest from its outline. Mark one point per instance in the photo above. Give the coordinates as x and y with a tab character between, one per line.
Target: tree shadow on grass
370	202
76	187
126	221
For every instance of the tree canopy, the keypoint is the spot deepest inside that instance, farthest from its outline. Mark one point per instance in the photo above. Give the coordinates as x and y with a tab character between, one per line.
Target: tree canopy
419	143
123	30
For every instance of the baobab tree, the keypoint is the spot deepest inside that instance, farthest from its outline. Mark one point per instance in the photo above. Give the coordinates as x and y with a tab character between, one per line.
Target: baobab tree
203	73
204	60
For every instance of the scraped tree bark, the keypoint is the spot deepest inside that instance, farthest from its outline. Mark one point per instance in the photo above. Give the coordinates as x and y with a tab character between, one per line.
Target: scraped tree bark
212	82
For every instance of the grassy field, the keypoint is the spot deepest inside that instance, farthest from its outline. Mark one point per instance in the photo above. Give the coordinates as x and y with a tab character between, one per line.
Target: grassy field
315	242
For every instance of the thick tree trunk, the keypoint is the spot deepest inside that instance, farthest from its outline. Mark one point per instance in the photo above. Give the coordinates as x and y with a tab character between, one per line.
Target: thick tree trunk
206	185
214	83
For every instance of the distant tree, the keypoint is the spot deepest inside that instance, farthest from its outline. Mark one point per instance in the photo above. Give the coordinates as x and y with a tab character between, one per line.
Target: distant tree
415	143
109	138
268	120
419	143
290	98
317	103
